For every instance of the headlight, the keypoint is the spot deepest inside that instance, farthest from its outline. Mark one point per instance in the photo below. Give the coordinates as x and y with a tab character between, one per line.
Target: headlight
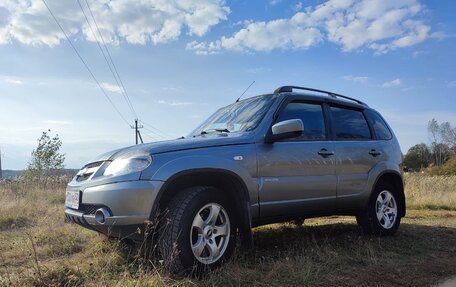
128	163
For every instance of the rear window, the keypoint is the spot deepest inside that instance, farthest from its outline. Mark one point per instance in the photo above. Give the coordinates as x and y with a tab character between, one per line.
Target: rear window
349	124
379	126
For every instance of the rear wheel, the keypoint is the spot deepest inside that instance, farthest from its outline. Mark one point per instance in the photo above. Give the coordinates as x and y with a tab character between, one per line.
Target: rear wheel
199	232
381	216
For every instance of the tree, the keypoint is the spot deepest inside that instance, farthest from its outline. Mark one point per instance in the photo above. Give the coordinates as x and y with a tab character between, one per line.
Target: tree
418	157
441	153
448	134
443	138
46	159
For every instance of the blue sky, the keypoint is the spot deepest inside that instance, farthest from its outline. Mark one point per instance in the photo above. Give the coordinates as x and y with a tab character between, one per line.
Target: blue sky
181	60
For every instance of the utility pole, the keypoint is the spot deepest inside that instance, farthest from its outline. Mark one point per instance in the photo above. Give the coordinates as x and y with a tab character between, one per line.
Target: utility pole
137	133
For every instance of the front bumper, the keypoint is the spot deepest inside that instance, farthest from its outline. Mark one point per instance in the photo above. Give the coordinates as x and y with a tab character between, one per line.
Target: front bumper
129	204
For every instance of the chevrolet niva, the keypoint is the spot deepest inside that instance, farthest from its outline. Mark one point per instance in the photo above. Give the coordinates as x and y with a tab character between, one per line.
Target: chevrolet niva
271	158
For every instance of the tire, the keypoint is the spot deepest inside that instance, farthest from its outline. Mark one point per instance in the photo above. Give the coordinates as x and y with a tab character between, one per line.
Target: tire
191	241
381	216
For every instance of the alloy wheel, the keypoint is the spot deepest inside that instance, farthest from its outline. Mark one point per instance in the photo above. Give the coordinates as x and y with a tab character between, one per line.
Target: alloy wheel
386	209
210	233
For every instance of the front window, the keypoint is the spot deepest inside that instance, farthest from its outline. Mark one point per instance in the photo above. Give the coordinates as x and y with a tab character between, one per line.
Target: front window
311	116
238	117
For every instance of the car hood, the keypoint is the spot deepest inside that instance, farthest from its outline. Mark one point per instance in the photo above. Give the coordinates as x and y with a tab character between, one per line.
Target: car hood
203	141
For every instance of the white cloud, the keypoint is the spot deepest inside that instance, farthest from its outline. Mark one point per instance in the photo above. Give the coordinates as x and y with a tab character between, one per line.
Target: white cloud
451	84
393	83
135	22
111	88
173	103
417	54
258	70
13	81
274	2
439	35
263	36
204	48
298	6
356	79
381	25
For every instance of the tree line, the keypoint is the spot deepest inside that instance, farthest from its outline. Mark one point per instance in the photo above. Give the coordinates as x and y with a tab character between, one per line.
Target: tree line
439	155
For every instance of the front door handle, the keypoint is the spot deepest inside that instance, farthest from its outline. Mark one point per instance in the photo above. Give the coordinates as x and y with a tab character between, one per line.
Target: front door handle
375	153
325	153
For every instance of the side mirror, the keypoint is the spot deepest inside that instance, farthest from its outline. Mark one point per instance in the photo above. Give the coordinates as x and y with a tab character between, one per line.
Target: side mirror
285	129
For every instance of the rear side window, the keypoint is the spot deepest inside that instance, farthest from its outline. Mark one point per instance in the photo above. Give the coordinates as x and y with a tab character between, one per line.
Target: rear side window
379	126
349	124
311	116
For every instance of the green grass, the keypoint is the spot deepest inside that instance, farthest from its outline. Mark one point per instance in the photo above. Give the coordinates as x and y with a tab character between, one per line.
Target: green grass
327	251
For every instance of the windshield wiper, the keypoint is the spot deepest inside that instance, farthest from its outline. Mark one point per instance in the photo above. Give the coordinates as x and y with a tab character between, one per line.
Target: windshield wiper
217	130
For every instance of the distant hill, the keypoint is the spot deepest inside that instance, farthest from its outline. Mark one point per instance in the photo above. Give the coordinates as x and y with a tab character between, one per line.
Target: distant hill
8	173
11	173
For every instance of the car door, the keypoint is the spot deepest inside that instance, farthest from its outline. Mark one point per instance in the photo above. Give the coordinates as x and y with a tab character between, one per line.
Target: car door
356	154
297	176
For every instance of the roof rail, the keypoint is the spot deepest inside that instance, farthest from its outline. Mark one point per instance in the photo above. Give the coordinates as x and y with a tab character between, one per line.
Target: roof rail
289	89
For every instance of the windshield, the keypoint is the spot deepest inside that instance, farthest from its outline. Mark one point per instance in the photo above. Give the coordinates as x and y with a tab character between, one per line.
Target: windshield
241	116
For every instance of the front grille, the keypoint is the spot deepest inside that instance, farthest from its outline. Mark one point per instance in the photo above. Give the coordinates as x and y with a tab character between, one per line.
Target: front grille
87	171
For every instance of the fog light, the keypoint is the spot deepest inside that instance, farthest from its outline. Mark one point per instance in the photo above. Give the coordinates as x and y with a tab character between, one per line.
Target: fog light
101	214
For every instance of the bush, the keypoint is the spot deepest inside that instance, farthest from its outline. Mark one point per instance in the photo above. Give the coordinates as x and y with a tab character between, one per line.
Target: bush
449	168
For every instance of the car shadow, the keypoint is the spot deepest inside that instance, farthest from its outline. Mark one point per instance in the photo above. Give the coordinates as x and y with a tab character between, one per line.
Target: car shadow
338	247
340	234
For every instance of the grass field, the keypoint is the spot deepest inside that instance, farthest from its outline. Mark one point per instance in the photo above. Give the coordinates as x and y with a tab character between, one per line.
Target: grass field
37	247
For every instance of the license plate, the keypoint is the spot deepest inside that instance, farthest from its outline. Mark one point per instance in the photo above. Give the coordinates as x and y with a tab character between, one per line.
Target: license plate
72	199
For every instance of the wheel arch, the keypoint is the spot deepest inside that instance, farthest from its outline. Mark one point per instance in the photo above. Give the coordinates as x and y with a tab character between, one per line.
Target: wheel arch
224	180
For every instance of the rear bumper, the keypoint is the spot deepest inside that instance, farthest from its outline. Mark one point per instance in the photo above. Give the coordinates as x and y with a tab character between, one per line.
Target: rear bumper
129	204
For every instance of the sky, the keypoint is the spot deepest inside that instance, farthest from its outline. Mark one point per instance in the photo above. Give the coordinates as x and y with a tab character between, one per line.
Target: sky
181	60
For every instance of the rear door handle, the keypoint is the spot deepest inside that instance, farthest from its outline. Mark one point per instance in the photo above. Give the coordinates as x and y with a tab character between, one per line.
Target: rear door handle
375	153
325	153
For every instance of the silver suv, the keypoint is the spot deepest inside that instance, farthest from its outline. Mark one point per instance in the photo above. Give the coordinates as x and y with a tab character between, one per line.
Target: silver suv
278	157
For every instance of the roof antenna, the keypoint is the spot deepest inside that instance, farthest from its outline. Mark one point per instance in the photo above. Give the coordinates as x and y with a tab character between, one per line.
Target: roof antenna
245	91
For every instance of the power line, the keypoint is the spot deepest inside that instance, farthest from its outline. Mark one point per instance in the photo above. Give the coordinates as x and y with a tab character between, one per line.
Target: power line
111	65
106	59
124	90
157	131
85	64
152	136
117	76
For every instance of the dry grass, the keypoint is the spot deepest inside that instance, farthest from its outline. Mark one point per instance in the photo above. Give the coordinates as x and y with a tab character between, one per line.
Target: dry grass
325	252
430	192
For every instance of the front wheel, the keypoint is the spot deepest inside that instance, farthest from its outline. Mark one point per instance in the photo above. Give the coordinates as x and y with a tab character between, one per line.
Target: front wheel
381	216
199	230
